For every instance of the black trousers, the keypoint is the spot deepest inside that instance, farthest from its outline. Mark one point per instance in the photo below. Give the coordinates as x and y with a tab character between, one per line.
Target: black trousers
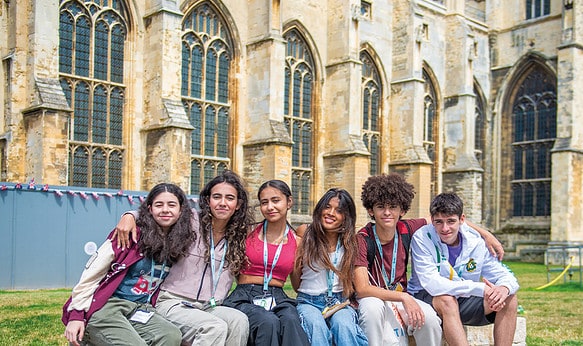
279	326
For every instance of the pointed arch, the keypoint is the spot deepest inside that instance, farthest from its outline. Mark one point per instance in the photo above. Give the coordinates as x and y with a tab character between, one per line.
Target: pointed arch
299	115
372	97
207	74
92	43
480	125
431	128
528	133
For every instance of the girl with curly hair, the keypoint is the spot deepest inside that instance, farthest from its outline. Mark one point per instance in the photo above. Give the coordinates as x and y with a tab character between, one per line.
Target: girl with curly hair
323	273
270	249
192	295
112	303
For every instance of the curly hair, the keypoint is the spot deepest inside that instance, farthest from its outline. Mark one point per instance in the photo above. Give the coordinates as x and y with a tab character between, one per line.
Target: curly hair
314	249
153	242
238	225
390	189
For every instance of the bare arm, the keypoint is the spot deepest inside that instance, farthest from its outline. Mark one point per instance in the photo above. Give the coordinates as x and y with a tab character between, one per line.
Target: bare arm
296	274
296	277
301	230
125	226
492	243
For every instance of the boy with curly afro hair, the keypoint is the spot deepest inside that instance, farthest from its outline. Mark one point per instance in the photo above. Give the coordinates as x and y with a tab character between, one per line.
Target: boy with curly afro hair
387	313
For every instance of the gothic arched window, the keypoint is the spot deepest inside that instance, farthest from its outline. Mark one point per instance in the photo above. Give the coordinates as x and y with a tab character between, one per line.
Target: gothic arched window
371	107
430	129
92	36
206	64
534	130
479	126
298	95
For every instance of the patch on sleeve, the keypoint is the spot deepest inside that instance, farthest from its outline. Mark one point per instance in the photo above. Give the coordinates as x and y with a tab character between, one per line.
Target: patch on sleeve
91	260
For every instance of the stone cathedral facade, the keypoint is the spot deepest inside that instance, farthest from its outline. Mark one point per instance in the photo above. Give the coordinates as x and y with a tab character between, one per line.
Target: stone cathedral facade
480	97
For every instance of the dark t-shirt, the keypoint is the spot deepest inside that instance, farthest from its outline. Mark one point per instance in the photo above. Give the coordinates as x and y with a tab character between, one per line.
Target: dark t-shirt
375	275
140	282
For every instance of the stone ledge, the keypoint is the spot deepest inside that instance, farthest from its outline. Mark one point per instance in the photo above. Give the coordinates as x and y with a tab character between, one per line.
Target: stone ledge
484	335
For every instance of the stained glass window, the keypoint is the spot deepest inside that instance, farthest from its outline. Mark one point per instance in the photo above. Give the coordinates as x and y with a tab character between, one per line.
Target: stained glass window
430	134
534	119
92	36
206	61
298	93
479	127
371	96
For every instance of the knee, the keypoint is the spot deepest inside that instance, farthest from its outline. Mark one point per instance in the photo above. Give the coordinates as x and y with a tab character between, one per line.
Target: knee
239	321
431	319
173	337
218	329
445	304
511	303
311	322
371	309
268	322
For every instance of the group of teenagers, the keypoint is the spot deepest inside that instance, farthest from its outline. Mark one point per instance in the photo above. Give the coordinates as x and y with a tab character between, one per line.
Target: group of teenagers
165	274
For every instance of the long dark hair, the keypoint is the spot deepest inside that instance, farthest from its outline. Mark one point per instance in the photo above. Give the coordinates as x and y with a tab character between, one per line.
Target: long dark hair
237	226
156	244
314	249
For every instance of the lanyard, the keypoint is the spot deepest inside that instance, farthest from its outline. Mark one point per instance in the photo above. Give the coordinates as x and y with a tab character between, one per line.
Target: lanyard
216	274
152	275
267	278
330	273
394	260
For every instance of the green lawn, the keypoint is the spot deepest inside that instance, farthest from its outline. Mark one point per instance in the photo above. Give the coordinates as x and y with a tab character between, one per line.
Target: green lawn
554	315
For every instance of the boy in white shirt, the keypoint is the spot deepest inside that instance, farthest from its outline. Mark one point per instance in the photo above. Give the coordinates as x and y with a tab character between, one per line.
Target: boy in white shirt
448	261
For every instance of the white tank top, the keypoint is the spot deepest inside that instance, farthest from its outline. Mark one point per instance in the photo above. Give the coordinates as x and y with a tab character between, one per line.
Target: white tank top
315	283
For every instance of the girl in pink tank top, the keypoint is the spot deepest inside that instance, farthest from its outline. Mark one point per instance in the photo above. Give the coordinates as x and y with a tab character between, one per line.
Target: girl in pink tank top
270	249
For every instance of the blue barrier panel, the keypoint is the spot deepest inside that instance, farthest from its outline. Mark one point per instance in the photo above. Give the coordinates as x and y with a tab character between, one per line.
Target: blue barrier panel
47	233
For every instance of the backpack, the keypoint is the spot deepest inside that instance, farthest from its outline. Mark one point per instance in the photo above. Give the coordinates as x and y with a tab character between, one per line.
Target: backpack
405	234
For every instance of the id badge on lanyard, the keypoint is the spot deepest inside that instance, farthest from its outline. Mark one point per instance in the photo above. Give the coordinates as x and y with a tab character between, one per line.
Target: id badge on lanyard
266	301
142	316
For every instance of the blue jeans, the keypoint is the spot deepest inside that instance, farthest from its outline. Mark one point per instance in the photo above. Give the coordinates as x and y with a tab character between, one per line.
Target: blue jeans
340	329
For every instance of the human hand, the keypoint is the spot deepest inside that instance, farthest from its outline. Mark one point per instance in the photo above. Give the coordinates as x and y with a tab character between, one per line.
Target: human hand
495	247
125	226
75	331
495	296
414	312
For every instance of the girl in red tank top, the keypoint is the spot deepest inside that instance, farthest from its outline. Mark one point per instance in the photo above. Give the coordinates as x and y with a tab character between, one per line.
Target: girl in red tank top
270	249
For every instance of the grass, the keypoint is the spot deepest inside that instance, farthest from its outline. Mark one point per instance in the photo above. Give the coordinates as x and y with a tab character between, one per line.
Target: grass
554	315
32	317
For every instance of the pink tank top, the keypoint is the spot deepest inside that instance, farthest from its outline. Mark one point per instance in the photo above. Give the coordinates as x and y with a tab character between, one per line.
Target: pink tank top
254	251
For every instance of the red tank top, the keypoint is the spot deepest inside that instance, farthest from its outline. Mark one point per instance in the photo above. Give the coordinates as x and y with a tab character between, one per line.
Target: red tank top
254	252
